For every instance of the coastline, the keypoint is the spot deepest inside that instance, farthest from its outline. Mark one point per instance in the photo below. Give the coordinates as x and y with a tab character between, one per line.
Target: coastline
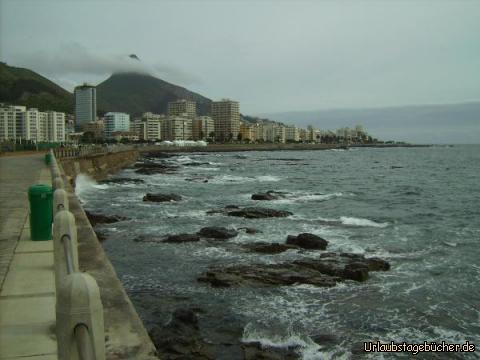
268	147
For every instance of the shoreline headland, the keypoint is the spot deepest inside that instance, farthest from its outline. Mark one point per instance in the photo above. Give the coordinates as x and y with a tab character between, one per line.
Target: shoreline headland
268	147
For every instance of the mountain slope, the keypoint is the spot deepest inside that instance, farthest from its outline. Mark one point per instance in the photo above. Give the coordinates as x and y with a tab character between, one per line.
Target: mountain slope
137	93
24	87
445	123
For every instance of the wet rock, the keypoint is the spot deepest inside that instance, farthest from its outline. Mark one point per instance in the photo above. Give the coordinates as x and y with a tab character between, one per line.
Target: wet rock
257	351
103	219
162	197
101	236
264	196
232	207
268	248
151	168
198	179
180	238
258	213
181	338
121	180
147	238
325	271
307	241
217	232
196	163
269	195
250	230
158	155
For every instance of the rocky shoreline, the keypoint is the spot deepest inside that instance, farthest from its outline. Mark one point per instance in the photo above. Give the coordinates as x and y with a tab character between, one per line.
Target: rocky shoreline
181	337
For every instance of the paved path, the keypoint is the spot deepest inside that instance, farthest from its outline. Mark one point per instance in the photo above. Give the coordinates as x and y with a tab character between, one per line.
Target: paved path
27	286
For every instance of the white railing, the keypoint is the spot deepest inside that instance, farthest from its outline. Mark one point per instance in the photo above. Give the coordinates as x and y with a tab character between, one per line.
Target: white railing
79	310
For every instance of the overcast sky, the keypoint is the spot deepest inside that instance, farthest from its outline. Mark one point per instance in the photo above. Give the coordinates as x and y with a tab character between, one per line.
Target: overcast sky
272	56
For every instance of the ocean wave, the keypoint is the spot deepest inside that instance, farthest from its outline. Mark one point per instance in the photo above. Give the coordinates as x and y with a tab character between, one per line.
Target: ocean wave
85	184
268	178
296	197
361	222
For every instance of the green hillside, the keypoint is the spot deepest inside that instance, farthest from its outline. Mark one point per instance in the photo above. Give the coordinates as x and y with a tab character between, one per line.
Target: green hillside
24	87
137	93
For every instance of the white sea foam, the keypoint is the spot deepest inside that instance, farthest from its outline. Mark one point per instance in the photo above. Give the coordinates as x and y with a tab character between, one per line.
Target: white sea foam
85	184
268	178
306	345
361	222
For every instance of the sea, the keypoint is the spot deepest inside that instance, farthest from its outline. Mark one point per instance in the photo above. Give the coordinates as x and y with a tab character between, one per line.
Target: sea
416	207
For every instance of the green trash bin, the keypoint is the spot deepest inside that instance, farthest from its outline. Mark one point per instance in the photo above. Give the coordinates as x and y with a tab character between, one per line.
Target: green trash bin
48	158
40	198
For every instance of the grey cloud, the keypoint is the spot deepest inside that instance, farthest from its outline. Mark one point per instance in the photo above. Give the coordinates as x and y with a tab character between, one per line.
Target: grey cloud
75	59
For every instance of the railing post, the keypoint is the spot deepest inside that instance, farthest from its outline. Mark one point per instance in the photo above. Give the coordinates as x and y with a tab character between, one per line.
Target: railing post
58	183
60	200
64	229
80	327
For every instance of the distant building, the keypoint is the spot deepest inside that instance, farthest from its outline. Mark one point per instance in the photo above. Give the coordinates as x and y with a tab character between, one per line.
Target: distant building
55	126
85	104
275	133
182	107
247	132
116	121
292	134
202	127
11	122
97	128
226	116
34	125
260	132
127	135
177	128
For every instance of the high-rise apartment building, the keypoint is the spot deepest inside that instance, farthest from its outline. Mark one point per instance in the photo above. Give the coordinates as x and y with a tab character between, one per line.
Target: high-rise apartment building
11	122
292	134
185	108
202	127
247	132
116	121
56	126
149	127
85	104
177	128
226	116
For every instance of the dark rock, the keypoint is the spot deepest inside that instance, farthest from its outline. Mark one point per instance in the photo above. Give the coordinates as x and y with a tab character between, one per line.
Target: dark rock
217	232
150	168
324	339
263	196
181	338
101	236
269	195
257	351
196	163
249	230
161	197
307	241
325	271
232	207
179	238
258	213
396	167
159	155
103	219
121	181
268	248
145	238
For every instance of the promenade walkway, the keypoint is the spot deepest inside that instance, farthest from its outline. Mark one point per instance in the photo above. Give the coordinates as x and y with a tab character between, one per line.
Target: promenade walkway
27	285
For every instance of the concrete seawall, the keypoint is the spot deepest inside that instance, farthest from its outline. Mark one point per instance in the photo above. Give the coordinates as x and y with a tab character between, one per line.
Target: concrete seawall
99	166
126	337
